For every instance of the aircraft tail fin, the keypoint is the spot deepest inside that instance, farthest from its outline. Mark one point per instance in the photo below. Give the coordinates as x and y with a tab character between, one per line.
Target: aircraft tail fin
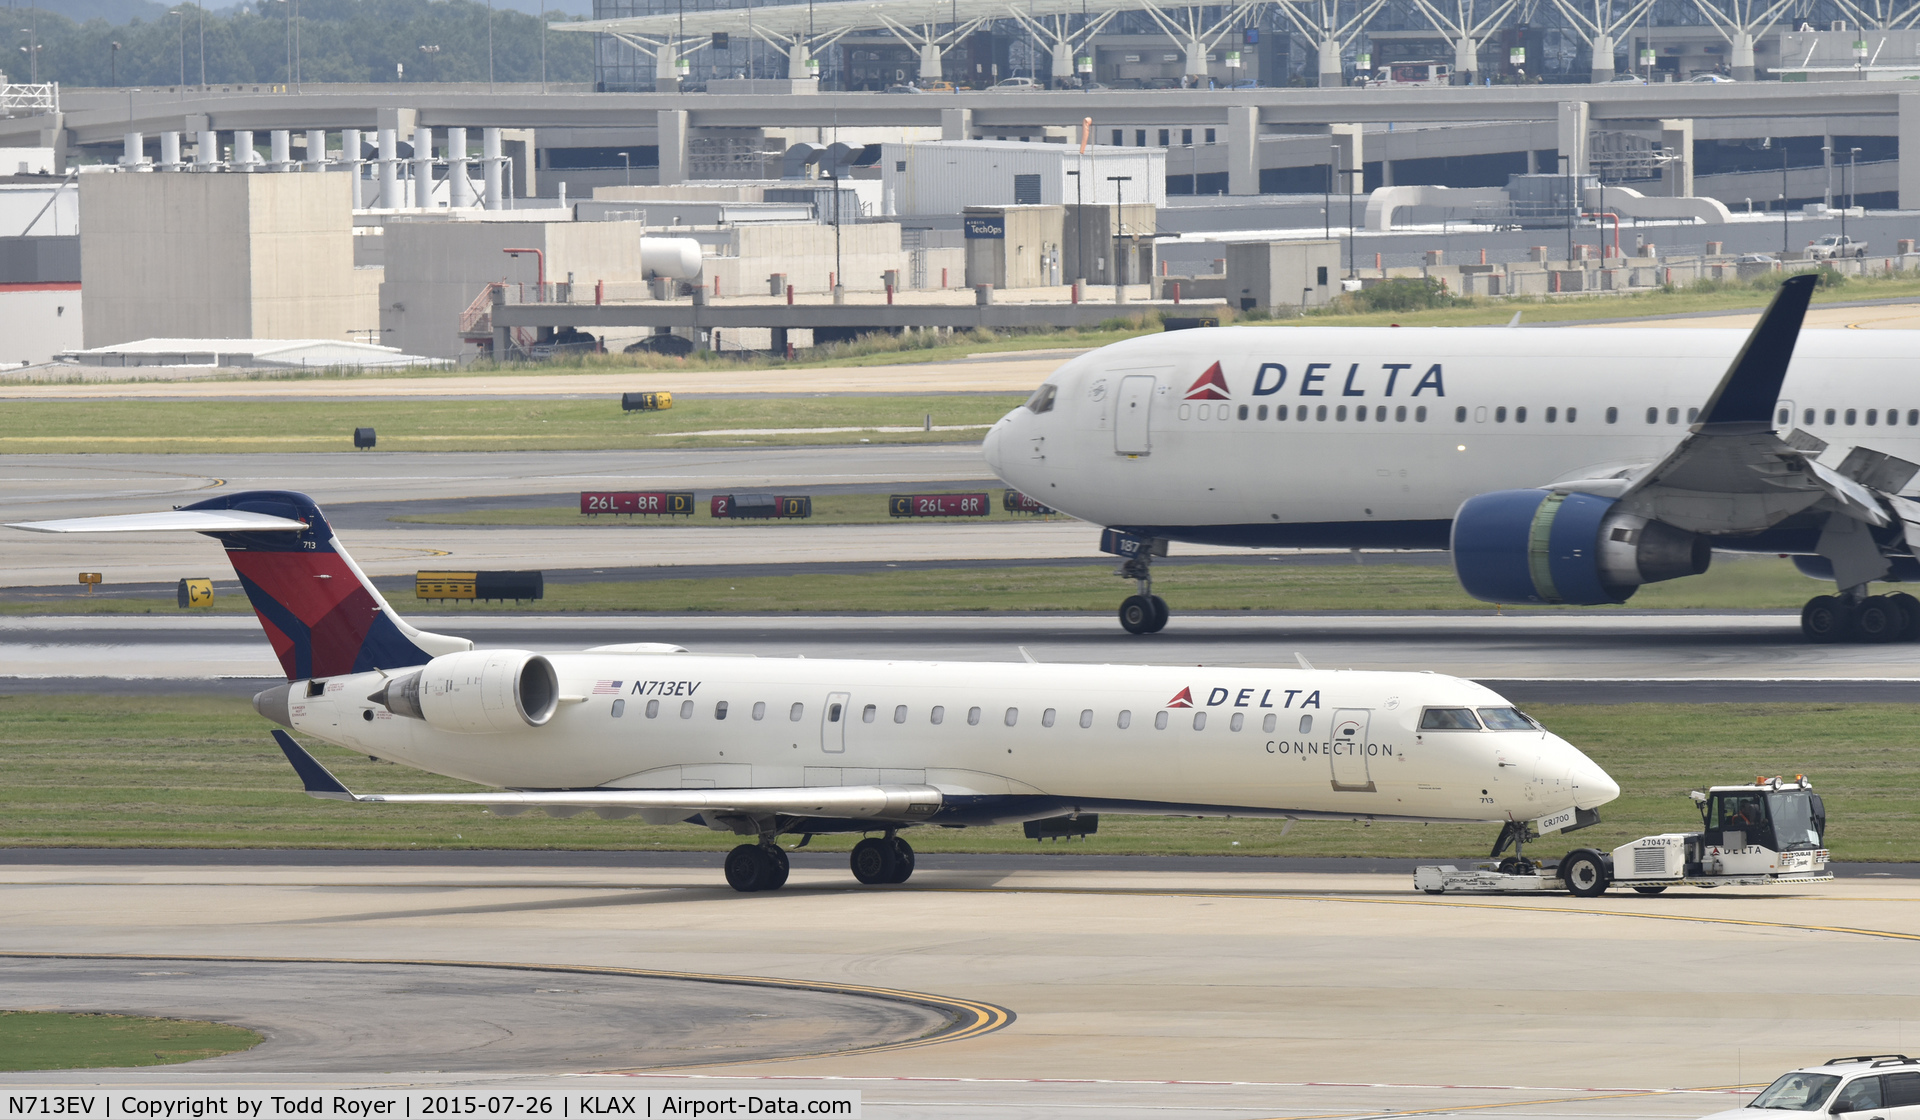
321	613
1751	385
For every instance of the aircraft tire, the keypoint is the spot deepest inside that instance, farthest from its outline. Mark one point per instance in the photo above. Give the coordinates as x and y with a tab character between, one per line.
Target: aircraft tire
1652	890
779	867
750	869
1826	619
1160	614
1137	614
1911	607
902	860
1879	619
1584	874
874	861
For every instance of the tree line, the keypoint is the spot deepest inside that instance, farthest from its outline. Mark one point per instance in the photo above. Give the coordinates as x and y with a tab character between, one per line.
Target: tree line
337	41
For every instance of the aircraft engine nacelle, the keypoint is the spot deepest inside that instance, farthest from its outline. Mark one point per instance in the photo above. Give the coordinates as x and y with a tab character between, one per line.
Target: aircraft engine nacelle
477	692
1545	546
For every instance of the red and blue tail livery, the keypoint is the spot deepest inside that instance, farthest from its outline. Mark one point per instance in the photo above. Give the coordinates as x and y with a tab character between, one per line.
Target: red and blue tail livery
321	613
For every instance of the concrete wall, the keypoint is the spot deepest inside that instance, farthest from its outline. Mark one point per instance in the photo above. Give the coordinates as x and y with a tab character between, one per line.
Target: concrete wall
216	256
42	320
944	178
1282	273
1027	255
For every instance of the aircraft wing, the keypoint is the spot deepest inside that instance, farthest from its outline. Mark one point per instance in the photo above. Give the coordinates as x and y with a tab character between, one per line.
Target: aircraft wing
864	802
1734	473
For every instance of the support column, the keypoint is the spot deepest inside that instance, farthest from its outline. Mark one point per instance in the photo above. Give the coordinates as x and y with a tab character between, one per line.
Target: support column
798	60
389	170
1243	149
244	156
930	66
1386	173
170	151
1677	136
1197	60
1742	57
666	71
1602	71
423	167
956	124
206	150
1330	71
1826	167
133	151
1062	69
1349	139
459	187
671	124
350	153
280	149
1572	138
490	161
1466	62
521	152
317	150
1909	134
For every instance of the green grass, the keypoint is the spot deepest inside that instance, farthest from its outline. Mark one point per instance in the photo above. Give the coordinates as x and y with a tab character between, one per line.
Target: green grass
1703	297
1731	584
828	509
35	1040
125	426
174	771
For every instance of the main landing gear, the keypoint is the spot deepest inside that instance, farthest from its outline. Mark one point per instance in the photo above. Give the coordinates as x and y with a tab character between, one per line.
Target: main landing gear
763	866
1854	616
1145	612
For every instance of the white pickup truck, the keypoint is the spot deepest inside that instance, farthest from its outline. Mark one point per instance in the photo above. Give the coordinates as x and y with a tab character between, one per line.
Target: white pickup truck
1836	245
1765	834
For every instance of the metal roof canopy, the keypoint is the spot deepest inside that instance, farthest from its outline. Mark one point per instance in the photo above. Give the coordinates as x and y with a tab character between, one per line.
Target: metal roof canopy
801	29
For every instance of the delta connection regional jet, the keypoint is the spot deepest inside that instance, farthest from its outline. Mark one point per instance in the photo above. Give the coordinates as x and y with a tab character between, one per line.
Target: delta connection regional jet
765	747
1558	466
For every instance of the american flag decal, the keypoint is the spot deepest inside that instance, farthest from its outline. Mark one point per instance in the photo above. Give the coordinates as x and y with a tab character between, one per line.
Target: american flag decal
606	688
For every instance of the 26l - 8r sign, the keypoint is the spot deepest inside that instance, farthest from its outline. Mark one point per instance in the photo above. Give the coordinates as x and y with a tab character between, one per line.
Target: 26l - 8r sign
938	505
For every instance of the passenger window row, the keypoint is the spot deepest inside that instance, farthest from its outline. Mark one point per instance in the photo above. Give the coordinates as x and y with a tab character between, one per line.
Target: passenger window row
1379	414
1850	417
937	715
1551	415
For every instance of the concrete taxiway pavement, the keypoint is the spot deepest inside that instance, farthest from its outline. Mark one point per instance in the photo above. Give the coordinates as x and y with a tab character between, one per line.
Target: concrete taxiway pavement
1595	657
1155	993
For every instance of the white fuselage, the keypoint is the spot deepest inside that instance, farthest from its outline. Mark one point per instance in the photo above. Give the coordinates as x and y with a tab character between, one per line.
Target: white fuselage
1000	741
1289	458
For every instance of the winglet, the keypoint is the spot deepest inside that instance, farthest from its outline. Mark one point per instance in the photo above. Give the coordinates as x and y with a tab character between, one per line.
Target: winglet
315	777
1751	387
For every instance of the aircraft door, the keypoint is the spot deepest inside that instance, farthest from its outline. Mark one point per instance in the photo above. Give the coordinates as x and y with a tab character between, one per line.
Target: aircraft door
1132	411
1347	750
833	723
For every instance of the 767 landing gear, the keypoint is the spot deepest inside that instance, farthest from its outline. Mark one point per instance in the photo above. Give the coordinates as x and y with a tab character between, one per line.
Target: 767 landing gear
1143	613
757	867
879	860
1854	616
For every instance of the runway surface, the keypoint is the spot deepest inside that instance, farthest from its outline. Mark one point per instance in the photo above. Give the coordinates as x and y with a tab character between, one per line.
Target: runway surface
1593	658
1175	995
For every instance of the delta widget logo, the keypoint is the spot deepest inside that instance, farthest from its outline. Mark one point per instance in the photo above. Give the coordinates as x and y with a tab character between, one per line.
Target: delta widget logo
1211	386
1183	700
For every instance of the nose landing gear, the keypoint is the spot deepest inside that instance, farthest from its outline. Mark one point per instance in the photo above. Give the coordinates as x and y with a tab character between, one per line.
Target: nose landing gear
1144	612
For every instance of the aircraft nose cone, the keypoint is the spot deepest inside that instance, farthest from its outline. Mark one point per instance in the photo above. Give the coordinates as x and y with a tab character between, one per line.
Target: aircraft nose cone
990	447
1592	786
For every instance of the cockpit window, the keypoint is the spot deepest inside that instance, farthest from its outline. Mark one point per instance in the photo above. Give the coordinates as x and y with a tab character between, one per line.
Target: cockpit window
1448	719
1505	719
1797	1092
1042	398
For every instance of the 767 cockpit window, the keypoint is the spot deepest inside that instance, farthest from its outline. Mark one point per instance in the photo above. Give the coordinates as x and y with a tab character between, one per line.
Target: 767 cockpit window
1506	719
1042	398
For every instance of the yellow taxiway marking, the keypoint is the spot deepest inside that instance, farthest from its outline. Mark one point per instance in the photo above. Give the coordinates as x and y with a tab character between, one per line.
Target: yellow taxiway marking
971	1018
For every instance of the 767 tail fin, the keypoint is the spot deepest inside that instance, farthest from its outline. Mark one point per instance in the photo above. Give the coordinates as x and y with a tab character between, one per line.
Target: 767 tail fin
322	615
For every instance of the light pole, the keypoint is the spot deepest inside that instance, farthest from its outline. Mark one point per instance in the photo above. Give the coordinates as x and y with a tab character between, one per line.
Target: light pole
1826	159
32	51
113	63
1783	199
183	45
1326	196
626	161
1119	209
1572	208
1852	154
1080	224
489	46
427	51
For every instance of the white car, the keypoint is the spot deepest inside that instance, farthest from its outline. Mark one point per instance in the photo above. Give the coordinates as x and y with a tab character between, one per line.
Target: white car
1709	79
1886	1086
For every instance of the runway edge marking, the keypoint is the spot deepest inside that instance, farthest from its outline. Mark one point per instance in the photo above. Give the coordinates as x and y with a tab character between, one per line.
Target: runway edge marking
967	1018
